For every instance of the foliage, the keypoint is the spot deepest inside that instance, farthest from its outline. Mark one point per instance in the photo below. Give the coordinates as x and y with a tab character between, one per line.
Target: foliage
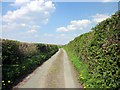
100	51
20	59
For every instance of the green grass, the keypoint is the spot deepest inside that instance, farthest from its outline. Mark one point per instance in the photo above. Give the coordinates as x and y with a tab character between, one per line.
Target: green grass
81	67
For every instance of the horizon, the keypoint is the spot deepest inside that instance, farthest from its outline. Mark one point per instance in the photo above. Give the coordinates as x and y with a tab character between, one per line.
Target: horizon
52	22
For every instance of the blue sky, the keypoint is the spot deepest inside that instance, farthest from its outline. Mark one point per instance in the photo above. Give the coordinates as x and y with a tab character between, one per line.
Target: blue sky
57	23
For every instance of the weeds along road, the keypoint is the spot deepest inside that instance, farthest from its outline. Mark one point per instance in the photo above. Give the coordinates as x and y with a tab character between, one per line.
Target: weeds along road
57	72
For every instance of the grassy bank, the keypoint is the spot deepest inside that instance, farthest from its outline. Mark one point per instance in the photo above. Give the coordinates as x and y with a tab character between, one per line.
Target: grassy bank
80	66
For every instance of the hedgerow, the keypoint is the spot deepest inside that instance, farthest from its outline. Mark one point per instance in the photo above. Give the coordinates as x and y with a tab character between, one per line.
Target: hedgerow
100	51
19	59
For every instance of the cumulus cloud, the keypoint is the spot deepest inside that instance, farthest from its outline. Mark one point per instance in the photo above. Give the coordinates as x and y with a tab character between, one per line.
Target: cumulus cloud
99	17
20	2
82	24
0	26
62	29
0	19
56	36
108	0
74	25
32	31
30	13
49	35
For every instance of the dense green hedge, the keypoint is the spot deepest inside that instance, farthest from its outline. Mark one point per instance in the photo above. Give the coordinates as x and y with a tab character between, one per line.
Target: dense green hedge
20	59
100	51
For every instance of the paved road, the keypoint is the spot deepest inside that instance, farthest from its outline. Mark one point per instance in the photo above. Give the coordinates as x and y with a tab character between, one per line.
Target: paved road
57	72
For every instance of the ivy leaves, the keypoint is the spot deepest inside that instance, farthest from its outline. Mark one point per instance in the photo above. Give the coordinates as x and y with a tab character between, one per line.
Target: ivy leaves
100	51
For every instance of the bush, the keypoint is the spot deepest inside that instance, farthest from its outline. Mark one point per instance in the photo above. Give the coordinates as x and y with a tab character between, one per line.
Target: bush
20	59
100	51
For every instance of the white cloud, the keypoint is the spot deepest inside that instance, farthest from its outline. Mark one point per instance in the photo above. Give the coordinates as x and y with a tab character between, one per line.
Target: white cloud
62	29
0	19
0	26
75	25
30	14
23	24
32	31
49	35
20	2
108	0
56	38
55	35
99	17
62	35
82	24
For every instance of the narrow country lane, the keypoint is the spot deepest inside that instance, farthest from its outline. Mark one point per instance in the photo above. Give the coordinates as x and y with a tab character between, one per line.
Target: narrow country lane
57	72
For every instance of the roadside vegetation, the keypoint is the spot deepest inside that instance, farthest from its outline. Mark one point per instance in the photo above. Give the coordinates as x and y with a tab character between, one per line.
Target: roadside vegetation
19	59
96	54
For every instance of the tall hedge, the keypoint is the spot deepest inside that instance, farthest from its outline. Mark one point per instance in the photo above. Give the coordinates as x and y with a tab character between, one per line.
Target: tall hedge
100	51
19	59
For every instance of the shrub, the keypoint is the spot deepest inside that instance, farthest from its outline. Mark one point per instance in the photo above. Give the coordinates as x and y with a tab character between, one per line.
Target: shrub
100	51
20	59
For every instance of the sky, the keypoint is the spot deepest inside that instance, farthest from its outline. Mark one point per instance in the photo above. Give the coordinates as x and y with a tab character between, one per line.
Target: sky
50	22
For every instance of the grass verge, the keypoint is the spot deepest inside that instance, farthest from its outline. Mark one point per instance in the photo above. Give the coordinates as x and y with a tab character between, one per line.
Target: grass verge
81	68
